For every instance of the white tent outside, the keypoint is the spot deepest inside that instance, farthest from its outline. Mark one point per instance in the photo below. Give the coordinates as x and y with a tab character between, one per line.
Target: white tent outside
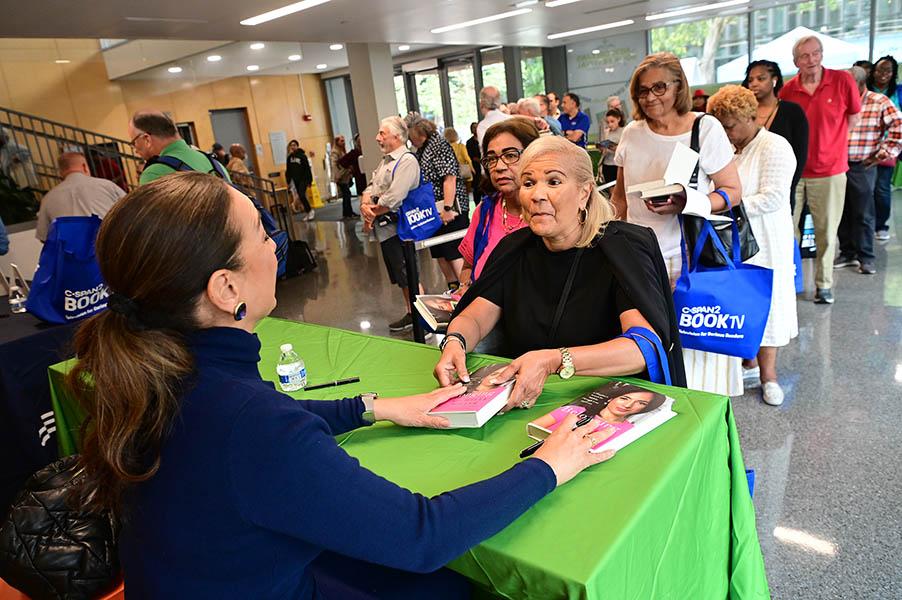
837	54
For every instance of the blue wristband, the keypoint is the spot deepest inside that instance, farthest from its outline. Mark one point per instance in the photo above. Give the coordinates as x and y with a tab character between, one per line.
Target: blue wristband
726	198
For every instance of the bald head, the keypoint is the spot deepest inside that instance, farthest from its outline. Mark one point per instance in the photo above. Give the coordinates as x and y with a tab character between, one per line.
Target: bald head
72	162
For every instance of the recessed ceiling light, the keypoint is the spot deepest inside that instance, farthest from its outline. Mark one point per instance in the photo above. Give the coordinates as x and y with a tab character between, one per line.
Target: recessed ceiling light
174	69
294	57
563	34
214	58
336	46
253	67
403	48
283	12
62	61
554	3
488	19
570	50
596	51
525	3
694	9
258	46
321	66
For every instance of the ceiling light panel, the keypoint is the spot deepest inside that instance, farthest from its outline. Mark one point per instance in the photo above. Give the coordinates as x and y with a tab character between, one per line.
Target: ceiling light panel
573	32
214	58
694	9
489	19
253	67
553	3
282	12
258	46
294	57
336	46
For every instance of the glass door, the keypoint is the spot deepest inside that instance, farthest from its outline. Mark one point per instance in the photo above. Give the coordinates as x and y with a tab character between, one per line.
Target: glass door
429	96
462	92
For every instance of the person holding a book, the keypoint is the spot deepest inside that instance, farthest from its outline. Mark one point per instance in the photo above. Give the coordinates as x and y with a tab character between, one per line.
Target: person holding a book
766	165
228	487
499	213
565	291
663	119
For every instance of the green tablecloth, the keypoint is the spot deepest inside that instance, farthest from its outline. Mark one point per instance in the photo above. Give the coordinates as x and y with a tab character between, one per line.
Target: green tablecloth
669	517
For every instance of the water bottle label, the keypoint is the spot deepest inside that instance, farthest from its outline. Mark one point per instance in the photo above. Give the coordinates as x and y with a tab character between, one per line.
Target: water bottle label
298	377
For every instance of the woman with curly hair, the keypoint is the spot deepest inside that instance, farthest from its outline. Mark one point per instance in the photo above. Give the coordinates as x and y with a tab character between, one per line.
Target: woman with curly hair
766	165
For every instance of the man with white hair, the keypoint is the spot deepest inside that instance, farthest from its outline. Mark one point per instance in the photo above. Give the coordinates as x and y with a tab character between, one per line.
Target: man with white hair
876	138
489	105
396	175
832	104
78	195
533	107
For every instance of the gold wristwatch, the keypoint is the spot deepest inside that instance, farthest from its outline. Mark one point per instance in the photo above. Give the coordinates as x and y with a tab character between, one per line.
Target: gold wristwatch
567	370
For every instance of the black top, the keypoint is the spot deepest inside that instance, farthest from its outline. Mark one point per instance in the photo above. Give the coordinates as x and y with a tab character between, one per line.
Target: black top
437	161
298	169
591	312
473	152
791	123
622	270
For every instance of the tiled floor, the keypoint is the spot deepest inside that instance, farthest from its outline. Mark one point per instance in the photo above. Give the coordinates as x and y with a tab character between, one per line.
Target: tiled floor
828	492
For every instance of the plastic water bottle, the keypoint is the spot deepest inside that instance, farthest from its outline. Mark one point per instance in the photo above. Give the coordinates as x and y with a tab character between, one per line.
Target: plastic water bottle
291	370
16	299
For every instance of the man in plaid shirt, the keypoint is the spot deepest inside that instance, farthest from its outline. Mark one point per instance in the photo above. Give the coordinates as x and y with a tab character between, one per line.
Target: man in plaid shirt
877	137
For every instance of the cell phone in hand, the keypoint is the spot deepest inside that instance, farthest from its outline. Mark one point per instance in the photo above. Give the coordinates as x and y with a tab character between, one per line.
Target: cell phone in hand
658	200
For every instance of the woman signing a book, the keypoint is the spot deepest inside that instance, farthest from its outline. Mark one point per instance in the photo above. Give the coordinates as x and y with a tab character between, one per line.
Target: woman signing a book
229	488
567	290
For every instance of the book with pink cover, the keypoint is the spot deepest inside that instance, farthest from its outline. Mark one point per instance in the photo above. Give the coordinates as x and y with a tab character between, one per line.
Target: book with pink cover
479	403
622	413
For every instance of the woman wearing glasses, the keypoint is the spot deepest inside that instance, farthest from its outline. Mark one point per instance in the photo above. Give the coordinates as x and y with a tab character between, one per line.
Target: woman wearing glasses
499	213
662	119
882	80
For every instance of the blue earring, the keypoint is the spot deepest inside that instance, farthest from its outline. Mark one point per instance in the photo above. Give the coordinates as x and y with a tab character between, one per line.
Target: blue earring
240	311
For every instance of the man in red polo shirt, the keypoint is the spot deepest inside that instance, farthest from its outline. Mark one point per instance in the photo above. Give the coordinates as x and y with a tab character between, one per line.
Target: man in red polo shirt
832	104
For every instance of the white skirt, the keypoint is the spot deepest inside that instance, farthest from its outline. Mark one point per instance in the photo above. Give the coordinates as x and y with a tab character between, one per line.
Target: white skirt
707	371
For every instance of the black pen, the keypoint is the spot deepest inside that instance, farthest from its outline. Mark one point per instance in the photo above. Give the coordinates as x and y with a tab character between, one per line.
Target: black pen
333	383
532	449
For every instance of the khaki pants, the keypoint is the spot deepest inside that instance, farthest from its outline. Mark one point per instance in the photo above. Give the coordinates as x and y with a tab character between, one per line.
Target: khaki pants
825	197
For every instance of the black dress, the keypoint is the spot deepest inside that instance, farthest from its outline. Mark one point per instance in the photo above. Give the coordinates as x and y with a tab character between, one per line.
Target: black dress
591	311
620	271
791	123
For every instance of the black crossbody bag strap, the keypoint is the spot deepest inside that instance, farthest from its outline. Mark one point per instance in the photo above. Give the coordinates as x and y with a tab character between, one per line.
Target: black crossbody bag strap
560	305
695	144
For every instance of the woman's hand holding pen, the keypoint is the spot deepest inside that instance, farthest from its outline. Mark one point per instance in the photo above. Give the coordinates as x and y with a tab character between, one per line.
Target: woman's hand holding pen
566	450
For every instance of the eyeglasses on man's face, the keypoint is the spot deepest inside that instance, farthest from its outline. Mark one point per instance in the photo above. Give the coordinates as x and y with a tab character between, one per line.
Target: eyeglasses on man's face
658	88
135	139
509	156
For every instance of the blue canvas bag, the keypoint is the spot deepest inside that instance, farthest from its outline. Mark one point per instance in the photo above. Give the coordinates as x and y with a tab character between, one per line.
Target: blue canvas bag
797	263
418	218
68	285
722	309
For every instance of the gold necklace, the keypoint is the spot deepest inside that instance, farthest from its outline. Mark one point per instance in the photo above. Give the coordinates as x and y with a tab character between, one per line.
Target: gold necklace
504	225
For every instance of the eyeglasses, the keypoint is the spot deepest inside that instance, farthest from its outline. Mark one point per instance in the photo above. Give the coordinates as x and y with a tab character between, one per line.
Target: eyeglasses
510	156
135	139
659	88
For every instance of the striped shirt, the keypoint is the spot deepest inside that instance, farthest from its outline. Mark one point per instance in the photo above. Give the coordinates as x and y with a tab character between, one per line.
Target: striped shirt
880	128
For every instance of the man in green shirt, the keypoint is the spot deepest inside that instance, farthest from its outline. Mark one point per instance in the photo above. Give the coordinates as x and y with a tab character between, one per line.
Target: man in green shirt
153	134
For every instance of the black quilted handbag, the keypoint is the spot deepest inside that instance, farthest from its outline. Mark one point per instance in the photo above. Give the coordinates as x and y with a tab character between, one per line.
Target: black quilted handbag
51	548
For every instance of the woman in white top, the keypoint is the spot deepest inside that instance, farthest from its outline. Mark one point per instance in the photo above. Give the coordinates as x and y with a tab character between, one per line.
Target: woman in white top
662	118
766	164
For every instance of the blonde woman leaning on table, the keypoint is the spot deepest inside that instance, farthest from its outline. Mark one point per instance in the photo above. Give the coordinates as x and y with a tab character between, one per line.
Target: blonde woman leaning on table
662	119
227	487
597	277
766	165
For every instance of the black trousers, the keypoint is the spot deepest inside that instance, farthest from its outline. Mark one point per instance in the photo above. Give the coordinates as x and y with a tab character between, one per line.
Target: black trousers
346	209
301	188
856	229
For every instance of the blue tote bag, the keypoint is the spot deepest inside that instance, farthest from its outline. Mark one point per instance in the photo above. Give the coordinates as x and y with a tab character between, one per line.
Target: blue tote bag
68	286
722	309
418	218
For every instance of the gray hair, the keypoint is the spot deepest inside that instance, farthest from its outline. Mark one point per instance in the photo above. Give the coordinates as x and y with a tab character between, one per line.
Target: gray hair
396	125
804	40
529	106
859	75
421	124
490	98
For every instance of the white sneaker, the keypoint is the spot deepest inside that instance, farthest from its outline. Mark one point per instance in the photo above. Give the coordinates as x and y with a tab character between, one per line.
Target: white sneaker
310	215
773	393
882	235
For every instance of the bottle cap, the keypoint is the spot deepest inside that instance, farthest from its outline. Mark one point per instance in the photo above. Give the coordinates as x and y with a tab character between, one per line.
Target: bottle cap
286	347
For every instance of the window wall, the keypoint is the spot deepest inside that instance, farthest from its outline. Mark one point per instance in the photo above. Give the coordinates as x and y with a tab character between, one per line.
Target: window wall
493	72
704	46
532	70
429	97
400	95
888	34
462	90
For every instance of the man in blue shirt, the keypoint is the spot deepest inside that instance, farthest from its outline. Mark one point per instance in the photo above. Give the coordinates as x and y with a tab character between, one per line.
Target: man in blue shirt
574	124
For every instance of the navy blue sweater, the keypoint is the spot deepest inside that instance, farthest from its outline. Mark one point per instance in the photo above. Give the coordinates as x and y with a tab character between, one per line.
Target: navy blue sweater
252	486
